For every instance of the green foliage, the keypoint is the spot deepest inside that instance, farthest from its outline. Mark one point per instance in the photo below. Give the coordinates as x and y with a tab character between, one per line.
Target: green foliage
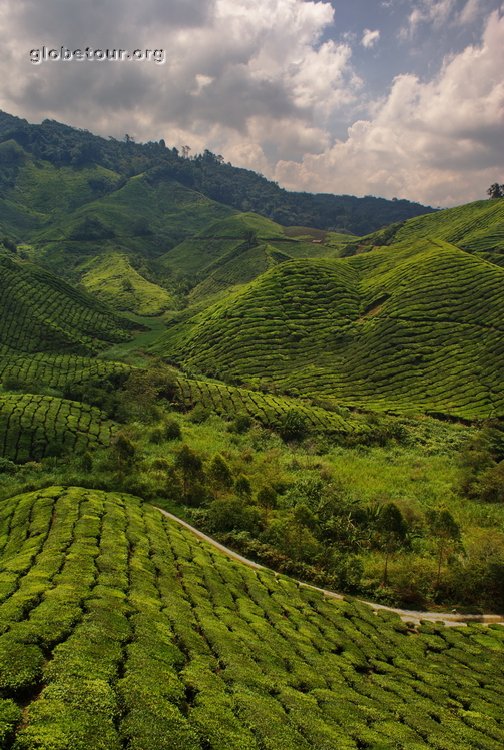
152	639
32	427
172	430
293	426
219	472
446	533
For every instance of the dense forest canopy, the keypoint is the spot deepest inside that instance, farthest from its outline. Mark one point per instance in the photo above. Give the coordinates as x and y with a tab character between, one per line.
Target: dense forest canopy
208	173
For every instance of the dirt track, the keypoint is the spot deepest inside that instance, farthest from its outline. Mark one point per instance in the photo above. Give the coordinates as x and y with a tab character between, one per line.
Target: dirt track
451	619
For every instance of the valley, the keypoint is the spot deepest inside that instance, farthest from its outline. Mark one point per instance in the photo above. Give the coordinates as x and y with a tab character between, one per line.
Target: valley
326	401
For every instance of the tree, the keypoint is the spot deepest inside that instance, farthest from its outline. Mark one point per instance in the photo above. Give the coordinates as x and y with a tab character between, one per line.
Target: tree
446	533
267	497
190	466
496	191
123	451
220	473
391	529
242	487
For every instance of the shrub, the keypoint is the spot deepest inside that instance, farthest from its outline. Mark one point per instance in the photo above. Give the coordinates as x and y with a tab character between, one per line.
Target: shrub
241	424
491	484
6	466
242	487
156	436
199	414
293	426
220	473
172	430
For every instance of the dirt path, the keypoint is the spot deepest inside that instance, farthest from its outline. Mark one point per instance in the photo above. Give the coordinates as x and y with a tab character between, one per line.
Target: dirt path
448	618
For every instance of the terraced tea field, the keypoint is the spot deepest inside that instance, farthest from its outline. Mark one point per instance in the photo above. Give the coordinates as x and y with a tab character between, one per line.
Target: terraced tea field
268	409
39	312
33	426
120	629
405	329
477	227
54	370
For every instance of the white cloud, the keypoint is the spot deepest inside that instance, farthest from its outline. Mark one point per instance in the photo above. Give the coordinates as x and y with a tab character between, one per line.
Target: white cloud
470	12
230	63
439	142
260	82
370	38
435	12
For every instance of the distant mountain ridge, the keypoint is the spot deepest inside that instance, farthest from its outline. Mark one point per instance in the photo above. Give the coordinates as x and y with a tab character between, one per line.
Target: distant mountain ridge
241	189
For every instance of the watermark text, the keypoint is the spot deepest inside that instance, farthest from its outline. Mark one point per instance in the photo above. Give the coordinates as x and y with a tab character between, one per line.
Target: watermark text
66	54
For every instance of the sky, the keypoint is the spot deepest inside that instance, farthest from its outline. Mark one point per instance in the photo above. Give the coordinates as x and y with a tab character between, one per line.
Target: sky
393	98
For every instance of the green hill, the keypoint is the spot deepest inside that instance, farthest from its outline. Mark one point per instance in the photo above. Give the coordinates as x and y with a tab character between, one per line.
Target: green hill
120	629
477	228
39	312
112	279
53	370
207	174
415	326
35	426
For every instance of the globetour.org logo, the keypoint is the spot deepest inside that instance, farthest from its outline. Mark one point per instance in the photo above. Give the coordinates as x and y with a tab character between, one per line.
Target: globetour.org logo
92	54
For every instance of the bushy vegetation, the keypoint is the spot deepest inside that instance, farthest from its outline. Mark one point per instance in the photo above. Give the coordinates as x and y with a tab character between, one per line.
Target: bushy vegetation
410	329
40	313
35	426
120	628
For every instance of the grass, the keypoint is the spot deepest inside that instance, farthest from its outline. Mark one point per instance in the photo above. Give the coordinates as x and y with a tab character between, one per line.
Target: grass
123	628
477	228
112	279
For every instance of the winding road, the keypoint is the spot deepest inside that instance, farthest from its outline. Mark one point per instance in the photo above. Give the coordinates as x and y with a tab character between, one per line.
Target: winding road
451	619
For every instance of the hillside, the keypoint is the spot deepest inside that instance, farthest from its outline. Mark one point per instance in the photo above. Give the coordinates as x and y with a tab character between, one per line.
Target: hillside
477	228
39	312
395	328
34	426
120	629
205	173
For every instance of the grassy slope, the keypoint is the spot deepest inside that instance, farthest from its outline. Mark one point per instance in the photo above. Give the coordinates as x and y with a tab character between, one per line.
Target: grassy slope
46	208
112	279
34	426
477	228
417	325
121	628
39	312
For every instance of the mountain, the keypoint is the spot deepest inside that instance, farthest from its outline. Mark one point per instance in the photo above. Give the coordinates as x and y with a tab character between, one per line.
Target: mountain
242	189
477	228
414	325
122	629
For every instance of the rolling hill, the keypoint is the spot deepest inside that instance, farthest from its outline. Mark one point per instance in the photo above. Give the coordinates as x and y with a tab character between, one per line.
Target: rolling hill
33	426
120	629
477	228
39	312
413	326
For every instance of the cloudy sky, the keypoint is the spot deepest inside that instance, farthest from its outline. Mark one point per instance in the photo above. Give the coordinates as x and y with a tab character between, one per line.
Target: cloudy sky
394	98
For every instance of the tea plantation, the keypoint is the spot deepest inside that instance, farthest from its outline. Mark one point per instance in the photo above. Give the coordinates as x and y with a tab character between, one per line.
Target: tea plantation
477	228
39	312
120	629
33	426
409	327
268	409
54	370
